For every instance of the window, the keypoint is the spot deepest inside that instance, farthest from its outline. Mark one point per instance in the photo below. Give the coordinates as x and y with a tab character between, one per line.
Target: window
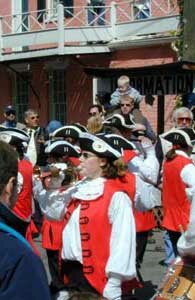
51	5
142	9
21	94
57	95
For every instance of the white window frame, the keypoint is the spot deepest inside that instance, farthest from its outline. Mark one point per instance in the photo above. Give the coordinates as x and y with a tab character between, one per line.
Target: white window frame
51	6
56	104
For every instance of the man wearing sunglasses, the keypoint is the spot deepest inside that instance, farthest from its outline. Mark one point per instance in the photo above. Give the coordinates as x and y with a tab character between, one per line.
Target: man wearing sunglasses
182	117
127	107
10	118
38	136
36	150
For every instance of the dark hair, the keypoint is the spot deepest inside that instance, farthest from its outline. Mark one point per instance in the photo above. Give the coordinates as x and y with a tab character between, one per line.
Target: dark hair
8	164
114	169
171	154
99	107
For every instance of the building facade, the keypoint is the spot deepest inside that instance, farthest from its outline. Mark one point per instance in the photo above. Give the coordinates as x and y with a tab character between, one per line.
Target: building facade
56	59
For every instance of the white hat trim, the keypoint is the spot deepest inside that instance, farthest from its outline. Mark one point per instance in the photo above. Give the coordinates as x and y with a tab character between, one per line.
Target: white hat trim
24	137
67	127
51	146
5	137
120	137
183	133
107	121
100	146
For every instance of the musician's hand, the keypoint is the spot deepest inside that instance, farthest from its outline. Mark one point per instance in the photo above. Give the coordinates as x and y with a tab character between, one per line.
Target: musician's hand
55	182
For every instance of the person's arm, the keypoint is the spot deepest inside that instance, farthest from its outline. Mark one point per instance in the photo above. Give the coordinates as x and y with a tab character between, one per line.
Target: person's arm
135	94
115	98
122	260
53	203
186	243
147	196
148	168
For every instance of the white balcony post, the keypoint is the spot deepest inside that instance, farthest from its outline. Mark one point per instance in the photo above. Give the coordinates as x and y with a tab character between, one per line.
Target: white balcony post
113	19
168	7
1	38
95	89
60	11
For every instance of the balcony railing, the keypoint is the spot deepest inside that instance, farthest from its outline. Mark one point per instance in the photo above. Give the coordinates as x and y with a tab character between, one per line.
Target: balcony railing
32	28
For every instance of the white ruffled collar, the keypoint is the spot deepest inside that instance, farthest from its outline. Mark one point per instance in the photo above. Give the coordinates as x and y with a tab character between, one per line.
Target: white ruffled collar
90	189
182	153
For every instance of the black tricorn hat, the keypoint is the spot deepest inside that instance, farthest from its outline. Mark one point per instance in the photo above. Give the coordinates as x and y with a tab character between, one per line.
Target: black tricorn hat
100	146
73	131
119	121
13	136
119	142
185	137
62	148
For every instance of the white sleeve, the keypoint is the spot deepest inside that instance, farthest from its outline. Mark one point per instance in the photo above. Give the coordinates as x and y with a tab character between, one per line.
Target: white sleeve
186	243
121	262
53	203
147	196
149	167
188	177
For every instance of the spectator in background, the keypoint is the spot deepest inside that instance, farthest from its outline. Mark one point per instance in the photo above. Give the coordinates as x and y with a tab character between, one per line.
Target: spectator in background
182	117
38	136
10	118
96	110
127	108
124	88
36	153
52	126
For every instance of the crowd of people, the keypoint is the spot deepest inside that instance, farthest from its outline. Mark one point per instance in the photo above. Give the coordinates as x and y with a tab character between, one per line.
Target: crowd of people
90	191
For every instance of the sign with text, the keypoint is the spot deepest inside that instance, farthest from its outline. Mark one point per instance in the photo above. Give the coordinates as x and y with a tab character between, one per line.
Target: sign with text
172	84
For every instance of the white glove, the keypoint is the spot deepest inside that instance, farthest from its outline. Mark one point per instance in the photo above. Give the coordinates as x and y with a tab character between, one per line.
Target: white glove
112	290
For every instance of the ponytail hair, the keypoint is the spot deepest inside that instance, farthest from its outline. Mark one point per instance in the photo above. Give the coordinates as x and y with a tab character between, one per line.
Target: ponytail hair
171	154
114	169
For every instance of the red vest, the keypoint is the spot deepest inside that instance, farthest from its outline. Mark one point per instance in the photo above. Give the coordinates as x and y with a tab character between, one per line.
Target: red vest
95	230
23	206
176	206
144	220
128	155
52	234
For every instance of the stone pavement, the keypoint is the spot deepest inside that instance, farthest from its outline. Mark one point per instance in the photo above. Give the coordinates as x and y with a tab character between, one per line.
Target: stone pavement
151	270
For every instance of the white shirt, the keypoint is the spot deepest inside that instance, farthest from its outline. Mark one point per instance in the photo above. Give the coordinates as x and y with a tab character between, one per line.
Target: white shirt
186	243
121	264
